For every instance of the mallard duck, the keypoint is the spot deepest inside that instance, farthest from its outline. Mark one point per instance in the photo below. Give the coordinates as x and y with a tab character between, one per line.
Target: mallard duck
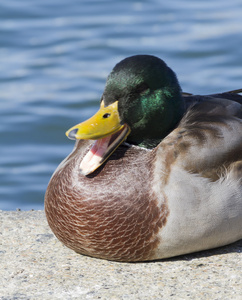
155	173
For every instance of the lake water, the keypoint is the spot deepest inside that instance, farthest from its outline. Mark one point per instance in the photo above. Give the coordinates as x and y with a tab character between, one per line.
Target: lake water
55	56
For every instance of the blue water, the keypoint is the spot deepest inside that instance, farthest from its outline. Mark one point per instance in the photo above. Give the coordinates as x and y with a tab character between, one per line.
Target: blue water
55	56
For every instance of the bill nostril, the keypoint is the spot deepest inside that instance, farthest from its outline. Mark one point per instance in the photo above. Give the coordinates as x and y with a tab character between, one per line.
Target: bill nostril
107	115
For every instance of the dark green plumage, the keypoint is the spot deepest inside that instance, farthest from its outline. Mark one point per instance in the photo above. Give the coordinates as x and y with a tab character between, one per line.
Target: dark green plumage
149	96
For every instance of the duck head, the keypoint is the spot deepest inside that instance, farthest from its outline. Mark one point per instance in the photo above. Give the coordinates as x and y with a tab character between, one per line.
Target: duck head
141	104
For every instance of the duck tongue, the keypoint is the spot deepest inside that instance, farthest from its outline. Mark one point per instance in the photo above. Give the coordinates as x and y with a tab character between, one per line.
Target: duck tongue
92	160
101	150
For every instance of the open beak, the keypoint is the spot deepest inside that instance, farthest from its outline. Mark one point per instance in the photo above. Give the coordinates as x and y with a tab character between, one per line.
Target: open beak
105	128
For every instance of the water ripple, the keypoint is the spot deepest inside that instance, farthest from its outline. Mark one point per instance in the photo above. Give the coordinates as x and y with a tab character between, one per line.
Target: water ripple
55	56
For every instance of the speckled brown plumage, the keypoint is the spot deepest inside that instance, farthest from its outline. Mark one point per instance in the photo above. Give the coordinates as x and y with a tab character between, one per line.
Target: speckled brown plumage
118	223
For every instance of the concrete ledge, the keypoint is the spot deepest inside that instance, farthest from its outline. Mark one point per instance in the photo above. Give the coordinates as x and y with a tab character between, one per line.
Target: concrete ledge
35	265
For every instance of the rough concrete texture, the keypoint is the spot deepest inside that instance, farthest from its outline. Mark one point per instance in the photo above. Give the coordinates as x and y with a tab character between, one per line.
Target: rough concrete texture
35	265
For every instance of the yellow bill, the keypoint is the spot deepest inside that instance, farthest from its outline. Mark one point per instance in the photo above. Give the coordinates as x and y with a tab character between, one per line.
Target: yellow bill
105	127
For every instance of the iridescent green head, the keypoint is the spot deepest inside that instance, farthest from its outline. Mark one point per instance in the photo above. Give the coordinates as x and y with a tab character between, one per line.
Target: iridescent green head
149	98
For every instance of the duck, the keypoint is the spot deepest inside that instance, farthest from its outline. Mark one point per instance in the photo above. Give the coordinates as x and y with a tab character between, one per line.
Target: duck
155	173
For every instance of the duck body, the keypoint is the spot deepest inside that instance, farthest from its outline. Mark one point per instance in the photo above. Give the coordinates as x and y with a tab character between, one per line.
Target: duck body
146	203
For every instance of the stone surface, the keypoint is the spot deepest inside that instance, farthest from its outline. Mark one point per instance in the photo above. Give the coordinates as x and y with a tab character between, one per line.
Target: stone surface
35	265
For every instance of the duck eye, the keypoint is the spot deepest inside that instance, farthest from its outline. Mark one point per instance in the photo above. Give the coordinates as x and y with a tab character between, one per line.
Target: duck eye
142	88
107	115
